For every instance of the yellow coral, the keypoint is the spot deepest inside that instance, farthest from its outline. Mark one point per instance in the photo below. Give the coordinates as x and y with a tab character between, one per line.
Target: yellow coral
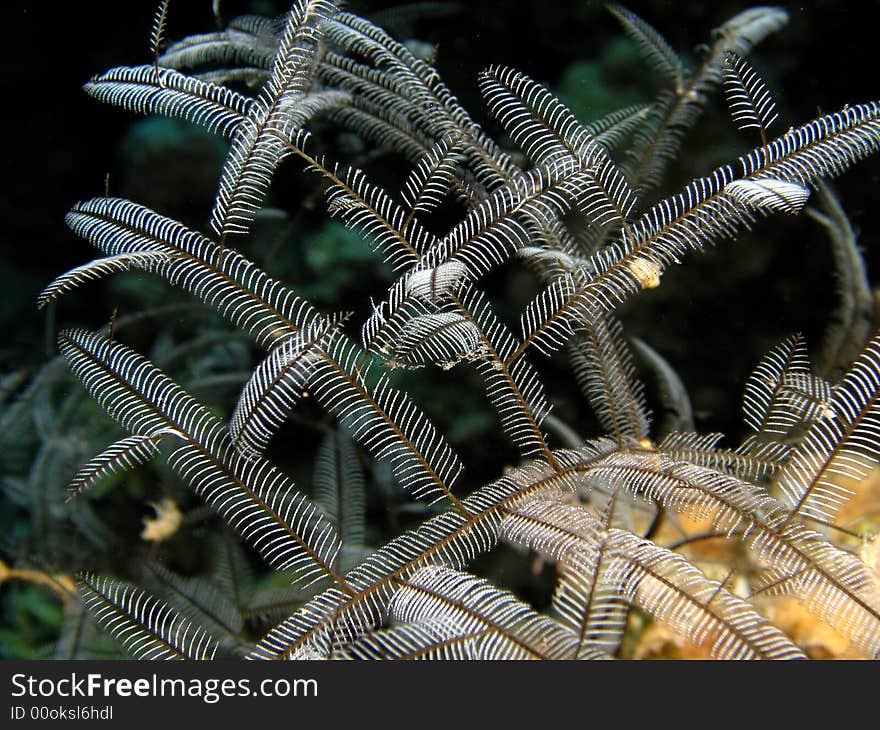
166	522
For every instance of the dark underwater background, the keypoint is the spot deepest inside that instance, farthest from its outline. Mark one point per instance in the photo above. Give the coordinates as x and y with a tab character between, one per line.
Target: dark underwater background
61	144
712	319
